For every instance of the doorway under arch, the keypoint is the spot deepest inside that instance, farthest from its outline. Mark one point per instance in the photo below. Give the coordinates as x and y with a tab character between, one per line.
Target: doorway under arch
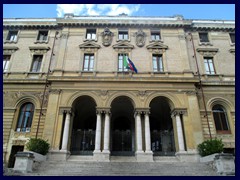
161	127
84	126
122	127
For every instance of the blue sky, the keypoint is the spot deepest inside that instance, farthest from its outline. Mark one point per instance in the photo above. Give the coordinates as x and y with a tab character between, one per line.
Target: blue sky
189	11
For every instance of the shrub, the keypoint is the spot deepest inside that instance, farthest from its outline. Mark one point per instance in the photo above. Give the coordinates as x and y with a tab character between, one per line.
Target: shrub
38	145
211	146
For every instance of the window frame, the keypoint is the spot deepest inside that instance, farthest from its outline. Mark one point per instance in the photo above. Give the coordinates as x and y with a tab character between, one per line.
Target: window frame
123	32
211	69
38	39
90	32
154	33
159	63
222	116
14	34
23	124
91	61
6	62
231	38
207	37
121	58
40	61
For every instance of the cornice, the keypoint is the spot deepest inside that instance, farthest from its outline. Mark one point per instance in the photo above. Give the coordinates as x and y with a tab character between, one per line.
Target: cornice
119	21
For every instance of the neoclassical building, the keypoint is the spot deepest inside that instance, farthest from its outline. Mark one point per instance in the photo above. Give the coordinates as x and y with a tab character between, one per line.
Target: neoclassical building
65	80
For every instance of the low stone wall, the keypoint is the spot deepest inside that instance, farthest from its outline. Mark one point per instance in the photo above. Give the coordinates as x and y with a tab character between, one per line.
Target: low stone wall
27	161
223	163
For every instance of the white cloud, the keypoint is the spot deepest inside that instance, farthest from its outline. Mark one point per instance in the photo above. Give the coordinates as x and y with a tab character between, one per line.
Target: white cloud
97	9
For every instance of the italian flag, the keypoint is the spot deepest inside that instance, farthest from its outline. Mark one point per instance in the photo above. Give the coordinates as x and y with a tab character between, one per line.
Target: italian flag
129	64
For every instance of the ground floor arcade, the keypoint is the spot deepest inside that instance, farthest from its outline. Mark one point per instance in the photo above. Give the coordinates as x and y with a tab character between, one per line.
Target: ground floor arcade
122	129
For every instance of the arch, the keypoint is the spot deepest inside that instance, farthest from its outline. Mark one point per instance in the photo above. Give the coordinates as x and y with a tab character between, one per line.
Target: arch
220	101
83	125
76	95
173	101
130	95
26	99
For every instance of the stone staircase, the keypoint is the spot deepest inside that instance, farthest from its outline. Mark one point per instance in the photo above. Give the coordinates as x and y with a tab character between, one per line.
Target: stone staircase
121	166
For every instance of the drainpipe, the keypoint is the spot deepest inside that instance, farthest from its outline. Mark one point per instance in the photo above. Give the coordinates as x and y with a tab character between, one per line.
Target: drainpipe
46	83
200	85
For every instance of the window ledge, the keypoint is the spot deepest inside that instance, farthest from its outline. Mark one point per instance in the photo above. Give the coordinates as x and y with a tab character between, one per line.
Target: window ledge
224	132
10	42
156	41
89	40
122	40
232	44
205	44
41	42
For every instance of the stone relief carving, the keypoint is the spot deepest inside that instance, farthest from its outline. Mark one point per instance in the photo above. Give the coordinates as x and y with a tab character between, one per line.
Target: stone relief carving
107	37
140	38
10	98
142	94
103	94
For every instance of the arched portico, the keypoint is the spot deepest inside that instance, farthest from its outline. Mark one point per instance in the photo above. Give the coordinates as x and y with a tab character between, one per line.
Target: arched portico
161	127
122	126
83	126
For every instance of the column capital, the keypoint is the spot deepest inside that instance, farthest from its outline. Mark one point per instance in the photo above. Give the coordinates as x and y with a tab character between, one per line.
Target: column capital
66	110
105	110
142	110
178	111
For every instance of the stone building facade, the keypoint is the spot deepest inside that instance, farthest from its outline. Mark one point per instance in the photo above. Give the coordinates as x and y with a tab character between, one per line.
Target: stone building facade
64	80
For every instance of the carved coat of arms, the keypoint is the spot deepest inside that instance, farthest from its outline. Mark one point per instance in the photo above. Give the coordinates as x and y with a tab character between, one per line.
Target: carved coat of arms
140	38
106	37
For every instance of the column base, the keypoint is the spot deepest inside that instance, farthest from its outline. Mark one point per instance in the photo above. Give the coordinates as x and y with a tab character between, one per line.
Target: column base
144	156
101	156
188	156
58	155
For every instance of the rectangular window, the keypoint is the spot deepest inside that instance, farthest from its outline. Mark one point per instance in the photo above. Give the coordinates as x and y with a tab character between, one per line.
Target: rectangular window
209	67
88	63
121	66
42	36
6	60
91	34
155	35
12	36
37	62
203	37
232	37
123	34
157	63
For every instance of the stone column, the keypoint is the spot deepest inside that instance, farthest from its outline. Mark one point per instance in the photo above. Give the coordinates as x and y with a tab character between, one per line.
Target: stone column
98	133
138	127
106	132
176	114
66	131
147	133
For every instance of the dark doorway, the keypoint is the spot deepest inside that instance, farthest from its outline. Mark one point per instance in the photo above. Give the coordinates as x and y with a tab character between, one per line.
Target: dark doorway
122	131
12	158
162	137
84	126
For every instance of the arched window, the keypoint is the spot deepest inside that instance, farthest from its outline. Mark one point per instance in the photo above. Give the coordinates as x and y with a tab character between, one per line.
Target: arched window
220	119
25	118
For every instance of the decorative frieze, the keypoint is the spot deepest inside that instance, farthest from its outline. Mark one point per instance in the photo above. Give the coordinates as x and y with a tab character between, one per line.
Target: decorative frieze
157	47
39	49
10	98
123	47
89	47
9	49
207	51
